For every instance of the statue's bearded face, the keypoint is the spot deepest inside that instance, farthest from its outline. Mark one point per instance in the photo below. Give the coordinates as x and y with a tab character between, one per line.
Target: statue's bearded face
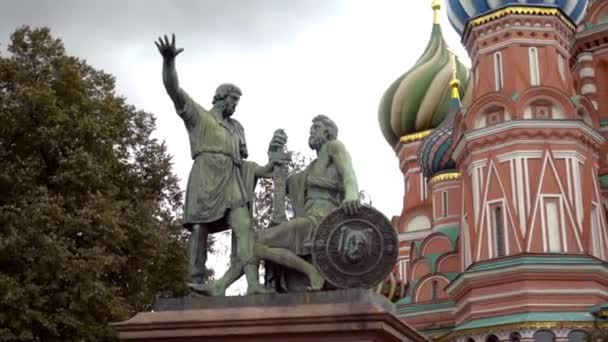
230	103
356	246
318	136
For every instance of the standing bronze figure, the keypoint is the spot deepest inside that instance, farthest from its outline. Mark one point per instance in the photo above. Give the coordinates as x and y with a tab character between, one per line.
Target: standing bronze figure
218	195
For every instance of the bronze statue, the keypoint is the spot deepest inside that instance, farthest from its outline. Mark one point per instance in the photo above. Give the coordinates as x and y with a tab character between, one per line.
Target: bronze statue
327	183
325	197
218	192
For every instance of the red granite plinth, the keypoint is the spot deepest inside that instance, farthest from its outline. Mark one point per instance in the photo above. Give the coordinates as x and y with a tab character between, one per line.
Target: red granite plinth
354	321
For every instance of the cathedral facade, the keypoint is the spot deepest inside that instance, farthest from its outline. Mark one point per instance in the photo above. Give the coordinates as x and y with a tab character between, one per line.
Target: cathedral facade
503	232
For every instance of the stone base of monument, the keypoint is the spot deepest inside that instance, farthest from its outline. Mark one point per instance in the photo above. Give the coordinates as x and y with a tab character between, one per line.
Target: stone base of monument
344	315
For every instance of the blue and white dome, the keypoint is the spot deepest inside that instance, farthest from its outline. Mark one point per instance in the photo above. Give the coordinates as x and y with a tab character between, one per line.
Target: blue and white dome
461	11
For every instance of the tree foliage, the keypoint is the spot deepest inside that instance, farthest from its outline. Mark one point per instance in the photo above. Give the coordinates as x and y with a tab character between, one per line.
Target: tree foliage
89	206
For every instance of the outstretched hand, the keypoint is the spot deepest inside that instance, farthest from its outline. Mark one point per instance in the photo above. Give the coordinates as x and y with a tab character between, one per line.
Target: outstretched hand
167	49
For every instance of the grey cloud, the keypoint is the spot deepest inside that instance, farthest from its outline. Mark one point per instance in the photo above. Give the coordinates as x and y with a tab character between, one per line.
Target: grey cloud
247	24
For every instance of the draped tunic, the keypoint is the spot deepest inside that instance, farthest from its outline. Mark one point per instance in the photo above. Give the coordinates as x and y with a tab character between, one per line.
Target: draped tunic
314	193
219	180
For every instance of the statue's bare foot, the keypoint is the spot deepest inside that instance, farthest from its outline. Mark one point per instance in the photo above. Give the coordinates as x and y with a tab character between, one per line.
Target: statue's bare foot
316	282
258	289
211	289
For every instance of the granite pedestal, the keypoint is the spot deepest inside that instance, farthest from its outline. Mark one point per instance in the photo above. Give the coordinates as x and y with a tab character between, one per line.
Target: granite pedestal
345	315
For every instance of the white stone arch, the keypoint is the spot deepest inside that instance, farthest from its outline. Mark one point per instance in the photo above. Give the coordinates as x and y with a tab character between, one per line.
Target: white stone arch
418	222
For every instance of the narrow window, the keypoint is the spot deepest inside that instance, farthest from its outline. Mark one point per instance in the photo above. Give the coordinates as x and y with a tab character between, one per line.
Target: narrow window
498	72
403	270
444	203
499	232
423	185
553	225
561	67
435	289
596	233
534	69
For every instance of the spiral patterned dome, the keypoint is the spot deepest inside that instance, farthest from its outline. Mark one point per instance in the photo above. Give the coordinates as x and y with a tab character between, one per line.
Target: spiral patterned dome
461	11
435	152
419	100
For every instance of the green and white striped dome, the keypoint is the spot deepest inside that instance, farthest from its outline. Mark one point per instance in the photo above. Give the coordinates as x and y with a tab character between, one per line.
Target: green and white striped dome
419	100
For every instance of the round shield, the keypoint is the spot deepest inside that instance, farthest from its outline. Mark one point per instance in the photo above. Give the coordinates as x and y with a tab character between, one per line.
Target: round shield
355	250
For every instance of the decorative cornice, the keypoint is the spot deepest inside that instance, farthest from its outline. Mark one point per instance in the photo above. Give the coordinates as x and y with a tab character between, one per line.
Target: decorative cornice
466	278
530	10
527	124
462	304
415	136
492	36
519	326
407	308
445	176
601	28
588	36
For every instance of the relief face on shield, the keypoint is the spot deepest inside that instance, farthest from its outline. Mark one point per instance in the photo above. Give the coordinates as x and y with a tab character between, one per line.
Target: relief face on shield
354	244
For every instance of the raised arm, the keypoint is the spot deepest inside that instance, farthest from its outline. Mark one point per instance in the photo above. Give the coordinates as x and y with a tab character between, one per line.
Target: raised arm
169	52
265	171
341	158
276	155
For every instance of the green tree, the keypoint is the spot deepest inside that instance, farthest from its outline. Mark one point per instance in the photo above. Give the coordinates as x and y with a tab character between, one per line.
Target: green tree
89	206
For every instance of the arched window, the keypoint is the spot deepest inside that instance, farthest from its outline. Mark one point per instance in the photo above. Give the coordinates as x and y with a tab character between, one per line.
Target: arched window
534	67
492	338
499	231
578	336
515	337
499	80
543	336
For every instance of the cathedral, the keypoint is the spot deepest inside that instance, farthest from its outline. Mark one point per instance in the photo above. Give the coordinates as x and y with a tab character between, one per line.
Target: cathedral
503	232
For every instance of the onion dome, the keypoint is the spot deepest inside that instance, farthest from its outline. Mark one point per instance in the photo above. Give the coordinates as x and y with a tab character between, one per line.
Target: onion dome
435	152
420	99
461	11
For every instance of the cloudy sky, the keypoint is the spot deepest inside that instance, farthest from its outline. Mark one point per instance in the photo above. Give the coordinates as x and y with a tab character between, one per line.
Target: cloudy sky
293	59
